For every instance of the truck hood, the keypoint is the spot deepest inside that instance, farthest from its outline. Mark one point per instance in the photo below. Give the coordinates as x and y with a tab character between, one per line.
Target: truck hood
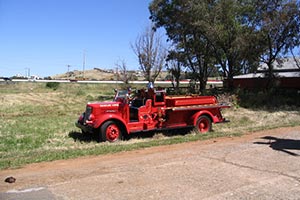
104	105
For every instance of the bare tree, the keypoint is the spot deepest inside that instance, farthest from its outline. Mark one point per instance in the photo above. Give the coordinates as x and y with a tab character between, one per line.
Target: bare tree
123	71
151	53
175	65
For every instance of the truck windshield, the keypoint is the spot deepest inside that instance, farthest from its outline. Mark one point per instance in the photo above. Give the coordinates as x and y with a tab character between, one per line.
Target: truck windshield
121	94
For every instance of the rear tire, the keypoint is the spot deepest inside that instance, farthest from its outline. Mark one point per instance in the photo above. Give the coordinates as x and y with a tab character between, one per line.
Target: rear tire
110	131
204	124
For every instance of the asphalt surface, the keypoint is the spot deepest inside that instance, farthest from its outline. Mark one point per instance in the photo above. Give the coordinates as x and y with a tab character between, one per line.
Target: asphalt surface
262	165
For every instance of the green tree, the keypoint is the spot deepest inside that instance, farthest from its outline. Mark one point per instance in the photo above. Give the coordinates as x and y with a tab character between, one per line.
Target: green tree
210	33
178	18
235	35
278	22
233	39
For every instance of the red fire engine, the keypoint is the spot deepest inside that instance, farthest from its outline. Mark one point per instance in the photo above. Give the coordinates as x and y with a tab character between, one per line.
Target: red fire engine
149	110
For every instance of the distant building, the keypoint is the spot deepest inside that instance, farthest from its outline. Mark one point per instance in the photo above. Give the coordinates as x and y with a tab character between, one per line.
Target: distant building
286	72
33	78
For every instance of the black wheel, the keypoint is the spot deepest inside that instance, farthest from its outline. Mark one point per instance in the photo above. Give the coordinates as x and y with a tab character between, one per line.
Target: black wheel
203	124
110	131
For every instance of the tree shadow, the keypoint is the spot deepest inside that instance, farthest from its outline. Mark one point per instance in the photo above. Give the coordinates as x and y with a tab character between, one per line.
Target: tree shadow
283	145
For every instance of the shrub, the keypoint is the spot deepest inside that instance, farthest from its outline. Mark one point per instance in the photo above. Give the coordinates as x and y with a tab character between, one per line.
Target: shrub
89	98
269	99
80	93
52	85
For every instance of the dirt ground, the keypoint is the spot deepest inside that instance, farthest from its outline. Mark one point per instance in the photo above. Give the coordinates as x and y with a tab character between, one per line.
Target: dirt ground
261	165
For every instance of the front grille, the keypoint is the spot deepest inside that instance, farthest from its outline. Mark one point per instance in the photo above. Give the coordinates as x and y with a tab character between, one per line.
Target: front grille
87	114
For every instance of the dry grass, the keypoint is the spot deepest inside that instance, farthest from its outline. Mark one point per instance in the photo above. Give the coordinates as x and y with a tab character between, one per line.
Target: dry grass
244	120
31	98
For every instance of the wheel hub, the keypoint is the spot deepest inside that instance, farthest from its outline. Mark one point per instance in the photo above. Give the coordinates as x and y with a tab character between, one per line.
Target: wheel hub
112	133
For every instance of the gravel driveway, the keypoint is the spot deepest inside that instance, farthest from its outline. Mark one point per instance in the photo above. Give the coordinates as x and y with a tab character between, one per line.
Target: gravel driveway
262	165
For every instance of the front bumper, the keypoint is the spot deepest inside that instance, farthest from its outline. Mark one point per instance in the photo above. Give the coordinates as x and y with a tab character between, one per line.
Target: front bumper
84	128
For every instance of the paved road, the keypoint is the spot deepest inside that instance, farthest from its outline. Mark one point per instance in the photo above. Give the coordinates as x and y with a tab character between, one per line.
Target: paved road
263	165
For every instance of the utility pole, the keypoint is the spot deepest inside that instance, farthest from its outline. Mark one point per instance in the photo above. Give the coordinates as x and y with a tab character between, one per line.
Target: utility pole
68	74
83	64
27	72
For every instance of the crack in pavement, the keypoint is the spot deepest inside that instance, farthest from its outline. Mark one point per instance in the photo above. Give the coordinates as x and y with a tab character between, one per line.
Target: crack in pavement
297	179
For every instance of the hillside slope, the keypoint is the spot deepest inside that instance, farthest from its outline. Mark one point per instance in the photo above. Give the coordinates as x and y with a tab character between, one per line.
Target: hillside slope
101	75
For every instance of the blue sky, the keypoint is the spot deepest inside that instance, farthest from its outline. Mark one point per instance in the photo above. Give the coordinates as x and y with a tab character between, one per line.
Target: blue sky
48	35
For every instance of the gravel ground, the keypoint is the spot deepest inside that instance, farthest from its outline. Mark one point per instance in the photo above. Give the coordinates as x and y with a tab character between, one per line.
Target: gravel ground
261	165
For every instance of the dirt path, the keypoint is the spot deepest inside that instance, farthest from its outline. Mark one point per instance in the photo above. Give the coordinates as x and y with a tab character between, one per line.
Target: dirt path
262	165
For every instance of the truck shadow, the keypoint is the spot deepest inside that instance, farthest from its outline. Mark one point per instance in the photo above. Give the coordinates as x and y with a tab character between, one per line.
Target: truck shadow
283	145
159	134
87	137
80	137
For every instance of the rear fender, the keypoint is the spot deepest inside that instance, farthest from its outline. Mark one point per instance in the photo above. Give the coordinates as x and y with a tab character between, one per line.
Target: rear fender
200	113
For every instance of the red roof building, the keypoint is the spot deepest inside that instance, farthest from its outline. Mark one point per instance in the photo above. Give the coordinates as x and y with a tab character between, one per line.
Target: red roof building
286	75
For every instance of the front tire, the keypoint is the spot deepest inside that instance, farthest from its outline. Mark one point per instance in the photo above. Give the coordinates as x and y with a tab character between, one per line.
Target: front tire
204	124
110	131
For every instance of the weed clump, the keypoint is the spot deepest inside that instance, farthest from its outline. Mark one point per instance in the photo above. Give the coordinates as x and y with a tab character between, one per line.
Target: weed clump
53	85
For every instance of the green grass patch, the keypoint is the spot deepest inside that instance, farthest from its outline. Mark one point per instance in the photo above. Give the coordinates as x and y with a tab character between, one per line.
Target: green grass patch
37	124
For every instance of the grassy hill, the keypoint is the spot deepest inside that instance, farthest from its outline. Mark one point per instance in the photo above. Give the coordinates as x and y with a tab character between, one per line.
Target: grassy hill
91	74
101	75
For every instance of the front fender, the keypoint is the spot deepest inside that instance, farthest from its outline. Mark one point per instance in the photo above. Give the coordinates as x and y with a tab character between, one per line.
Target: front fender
99	121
